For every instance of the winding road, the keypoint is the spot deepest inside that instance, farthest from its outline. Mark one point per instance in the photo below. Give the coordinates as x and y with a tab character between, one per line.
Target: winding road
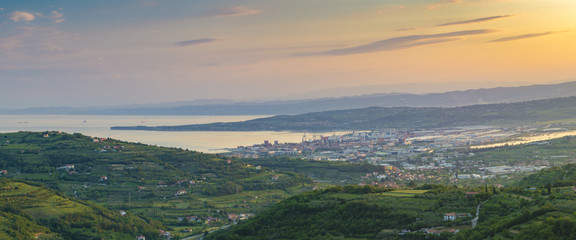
475	220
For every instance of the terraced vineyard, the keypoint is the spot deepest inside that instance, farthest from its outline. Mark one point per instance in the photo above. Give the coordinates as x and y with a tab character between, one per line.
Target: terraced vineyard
38	202
32	211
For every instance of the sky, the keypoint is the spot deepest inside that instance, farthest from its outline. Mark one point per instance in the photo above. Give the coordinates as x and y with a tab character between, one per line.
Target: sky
95	53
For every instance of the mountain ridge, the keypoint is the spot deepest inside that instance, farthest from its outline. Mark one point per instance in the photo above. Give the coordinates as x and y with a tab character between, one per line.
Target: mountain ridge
230	107
395	117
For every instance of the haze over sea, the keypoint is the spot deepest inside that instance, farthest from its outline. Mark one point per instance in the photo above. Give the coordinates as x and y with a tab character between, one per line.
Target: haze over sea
99	126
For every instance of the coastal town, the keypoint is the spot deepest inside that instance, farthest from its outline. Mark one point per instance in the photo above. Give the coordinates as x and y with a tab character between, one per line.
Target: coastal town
377	147
433	155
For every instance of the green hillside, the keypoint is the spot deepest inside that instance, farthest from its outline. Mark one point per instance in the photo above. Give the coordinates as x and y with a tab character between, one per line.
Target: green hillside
162	183
543	210
560	176
60	160
372	213
359	212
31	211
189	193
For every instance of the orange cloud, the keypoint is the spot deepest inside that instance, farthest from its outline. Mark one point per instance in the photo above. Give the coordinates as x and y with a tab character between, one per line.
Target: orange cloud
520	37
405	42
477	20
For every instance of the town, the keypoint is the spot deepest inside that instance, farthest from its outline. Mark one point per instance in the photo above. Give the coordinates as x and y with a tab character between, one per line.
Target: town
433	155
377	147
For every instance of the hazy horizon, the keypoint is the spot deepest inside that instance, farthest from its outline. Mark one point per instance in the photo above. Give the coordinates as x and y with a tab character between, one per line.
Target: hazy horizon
319	94
109	53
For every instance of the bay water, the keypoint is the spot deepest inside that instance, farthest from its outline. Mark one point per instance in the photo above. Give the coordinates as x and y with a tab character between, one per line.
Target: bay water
202	141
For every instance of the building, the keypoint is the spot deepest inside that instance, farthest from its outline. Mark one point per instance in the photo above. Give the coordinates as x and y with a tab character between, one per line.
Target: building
454	216
67	167
180	192
165	234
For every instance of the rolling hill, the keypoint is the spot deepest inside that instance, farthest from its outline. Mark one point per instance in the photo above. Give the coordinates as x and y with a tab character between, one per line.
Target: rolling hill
147	183
156	182
356	212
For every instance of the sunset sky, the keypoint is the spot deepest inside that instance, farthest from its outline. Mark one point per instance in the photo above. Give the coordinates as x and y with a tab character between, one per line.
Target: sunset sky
88	53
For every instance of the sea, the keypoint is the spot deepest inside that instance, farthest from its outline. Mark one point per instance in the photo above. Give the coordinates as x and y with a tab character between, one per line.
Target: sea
202	141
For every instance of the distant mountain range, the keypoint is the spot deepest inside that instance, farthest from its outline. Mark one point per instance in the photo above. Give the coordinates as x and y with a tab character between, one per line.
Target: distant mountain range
230	107
538	111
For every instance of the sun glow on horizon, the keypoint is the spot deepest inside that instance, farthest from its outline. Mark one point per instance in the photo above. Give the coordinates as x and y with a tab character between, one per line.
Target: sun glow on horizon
259	48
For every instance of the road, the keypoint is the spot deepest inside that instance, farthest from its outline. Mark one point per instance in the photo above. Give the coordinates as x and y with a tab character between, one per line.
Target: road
201	236
475	220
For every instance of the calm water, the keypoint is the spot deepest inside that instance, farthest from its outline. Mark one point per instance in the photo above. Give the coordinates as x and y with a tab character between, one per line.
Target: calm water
99	126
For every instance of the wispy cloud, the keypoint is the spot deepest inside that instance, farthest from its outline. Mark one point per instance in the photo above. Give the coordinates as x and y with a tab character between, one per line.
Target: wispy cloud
406	29
18	16
197	41
524	36
477	20
405	42
57	16
235	11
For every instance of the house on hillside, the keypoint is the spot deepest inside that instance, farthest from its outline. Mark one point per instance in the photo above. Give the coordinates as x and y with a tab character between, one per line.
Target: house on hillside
233	217
141	237
388	184
67	167
165	234
471	194
452	216
99	139
180	192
